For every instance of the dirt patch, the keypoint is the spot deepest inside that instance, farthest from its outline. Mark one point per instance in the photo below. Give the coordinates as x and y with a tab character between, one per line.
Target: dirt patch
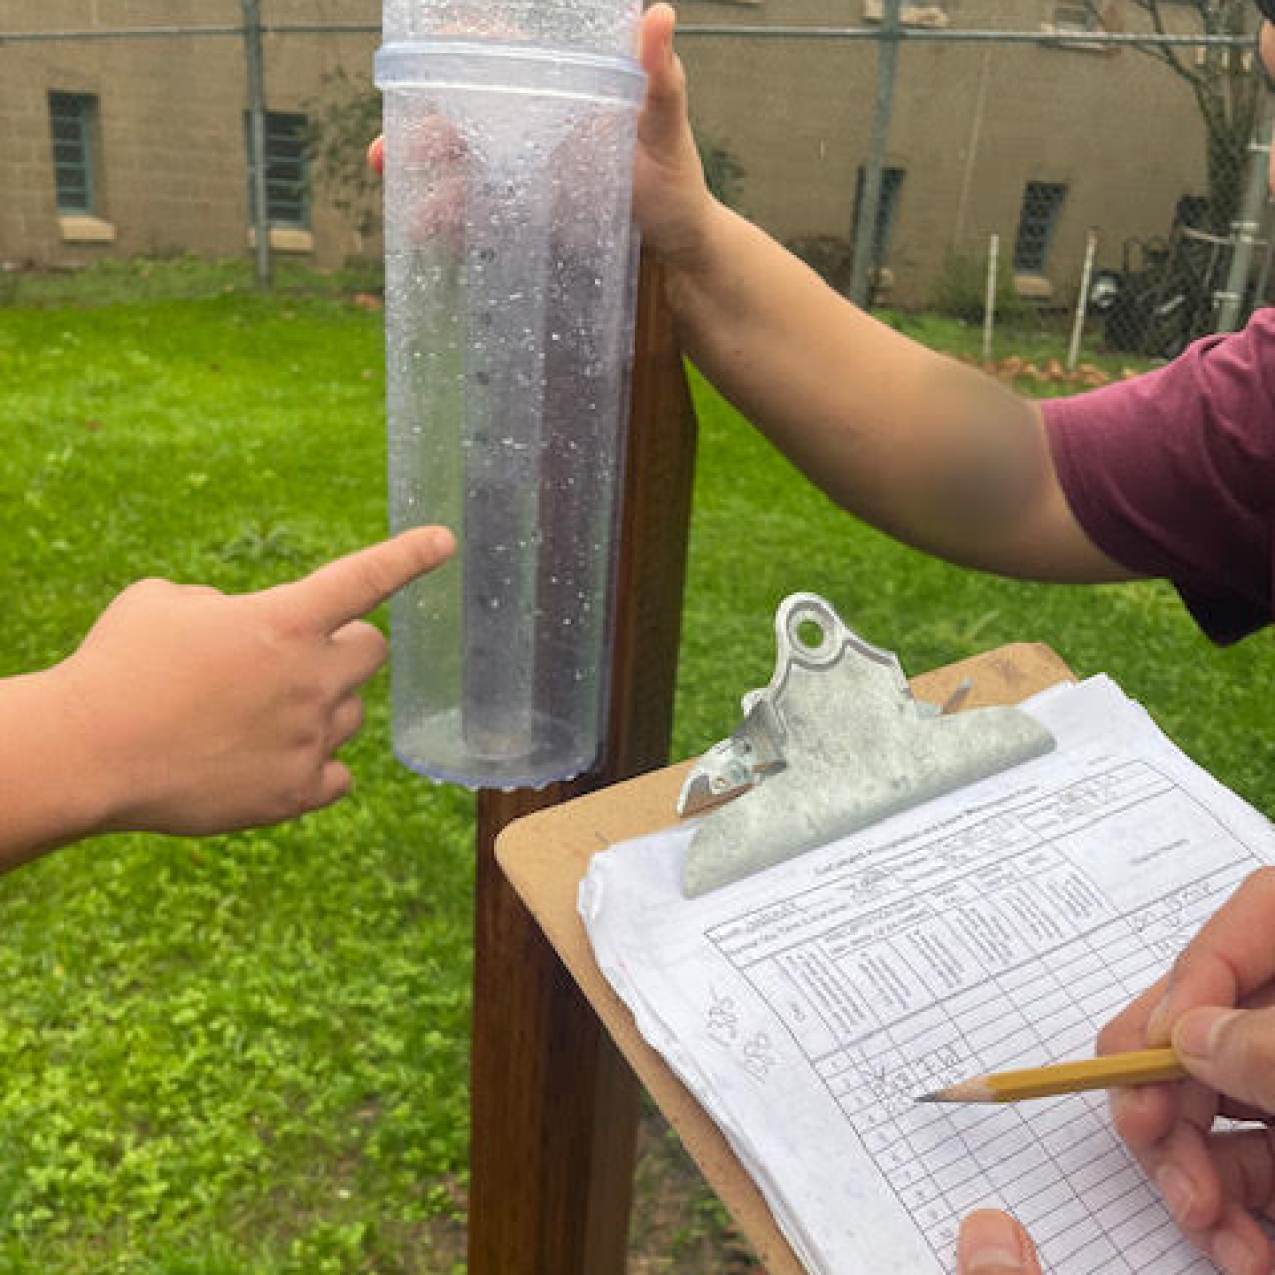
679	1227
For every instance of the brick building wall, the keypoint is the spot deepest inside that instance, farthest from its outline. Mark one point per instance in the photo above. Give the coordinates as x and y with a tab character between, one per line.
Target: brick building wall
169	151
973	124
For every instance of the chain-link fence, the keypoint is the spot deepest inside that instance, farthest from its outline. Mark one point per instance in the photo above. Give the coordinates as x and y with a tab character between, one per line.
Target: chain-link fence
1107	186
124	135
1092	172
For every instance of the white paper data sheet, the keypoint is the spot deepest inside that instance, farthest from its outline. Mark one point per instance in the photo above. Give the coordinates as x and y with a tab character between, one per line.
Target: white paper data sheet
997	927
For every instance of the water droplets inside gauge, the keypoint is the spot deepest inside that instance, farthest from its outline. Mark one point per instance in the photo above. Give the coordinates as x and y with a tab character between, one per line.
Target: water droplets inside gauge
509	285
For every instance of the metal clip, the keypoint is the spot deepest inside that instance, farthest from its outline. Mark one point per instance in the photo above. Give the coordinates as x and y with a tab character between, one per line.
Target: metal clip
739	762
835	742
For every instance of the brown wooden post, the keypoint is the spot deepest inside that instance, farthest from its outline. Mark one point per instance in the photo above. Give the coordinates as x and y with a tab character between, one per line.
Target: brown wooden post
554	1106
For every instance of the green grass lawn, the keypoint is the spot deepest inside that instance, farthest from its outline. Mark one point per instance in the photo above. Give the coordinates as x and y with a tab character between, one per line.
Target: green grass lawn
248	1054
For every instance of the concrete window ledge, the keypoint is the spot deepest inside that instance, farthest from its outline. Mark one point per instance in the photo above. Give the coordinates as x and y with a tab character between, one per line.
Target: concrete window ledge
84	229
285	239
910	14
1033	287
1077	40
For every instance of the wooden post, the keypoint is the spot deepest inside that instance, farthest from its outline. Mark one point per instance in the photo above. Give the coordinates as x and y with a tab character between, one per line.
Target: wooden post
554	1106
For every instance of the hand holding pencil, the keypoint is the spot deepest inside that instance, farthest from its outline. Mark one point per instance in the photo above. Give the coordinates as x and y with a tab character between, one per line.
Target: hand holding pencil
1212	1016
1214	1009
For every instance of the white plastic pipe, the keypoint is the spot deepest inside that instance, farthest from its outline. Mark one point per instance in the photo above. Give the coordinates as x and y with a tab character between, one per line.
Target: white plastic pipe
1082	301
989	301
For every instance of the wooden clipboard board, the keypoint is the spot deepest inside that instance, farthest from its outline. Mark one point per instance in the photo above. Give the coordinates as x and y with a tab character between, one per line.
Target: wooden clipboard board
546	854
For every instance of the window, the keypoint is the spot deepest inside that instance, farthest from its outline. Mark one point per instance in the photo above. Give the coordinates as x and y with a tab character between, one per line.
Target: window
287	175
891	185
1074	21
72	125
1074	17
1042	202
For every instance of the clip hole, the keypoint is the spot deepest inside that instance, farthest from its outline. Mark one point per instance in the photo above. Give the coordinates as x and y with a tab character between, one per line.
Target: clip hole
809	634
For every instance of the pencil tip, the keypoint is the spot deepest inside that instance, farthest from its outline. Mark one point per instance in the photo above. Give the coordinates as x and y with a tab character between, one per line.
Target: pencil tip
929	1097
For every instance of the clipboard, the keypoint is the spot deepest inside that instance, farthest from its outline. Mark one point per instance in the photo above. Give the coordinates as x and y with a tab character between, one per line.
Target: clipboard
545	855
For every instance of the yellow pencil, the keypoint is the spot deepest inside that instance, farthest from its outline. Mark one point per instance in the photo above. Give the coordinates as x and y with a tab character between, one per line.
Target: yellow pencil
1141	1067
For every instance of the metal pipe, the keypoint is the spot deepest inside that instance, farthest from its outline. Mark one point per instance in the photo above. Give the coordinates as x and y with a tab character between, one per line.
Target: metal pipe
870	200
1262	287
131	33
1248	224
922	35
257	135
929	35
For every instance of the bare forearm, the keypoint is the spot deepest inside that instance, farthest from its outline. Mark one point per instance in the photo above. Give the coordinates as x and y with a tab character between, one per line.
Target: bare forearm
929	450
51	785
187	711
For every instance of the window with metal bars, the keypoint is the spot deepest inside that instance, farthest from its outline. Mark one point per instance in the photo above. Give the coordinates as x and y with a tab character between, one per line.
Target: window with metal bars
1042	204
72	121
287	170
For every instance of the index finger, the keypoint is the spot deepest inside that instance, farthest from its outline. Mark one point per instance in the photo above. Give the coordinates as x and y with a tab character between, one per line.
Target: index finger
1231	957
350	587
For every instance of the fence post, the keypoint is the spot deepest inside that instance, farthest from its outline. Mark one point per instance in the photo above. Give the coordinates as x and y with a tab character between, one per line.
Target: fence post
1249	223
989	295
554	1105
870	204
1268	258
1082	301
257	136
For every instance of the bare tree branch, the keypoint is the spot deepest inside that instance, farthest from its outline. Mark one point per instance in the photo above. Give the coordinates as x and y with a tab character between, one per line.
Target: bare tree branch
1220	79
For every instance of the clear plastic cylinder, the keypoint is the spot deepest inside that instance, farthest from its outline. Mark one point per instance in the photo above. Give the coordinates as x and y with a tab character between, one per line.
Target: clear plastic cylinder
510	267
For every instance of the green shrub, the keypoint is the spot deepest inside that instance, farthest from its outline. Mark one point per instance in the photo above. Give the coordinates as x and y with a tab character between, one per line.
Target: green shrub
961	291
829	256
722	170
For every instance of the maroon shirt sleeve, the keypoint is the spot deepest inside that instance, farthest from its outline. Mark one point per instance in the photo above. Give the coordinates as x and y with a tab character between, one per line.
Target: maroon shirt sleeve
1173	474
